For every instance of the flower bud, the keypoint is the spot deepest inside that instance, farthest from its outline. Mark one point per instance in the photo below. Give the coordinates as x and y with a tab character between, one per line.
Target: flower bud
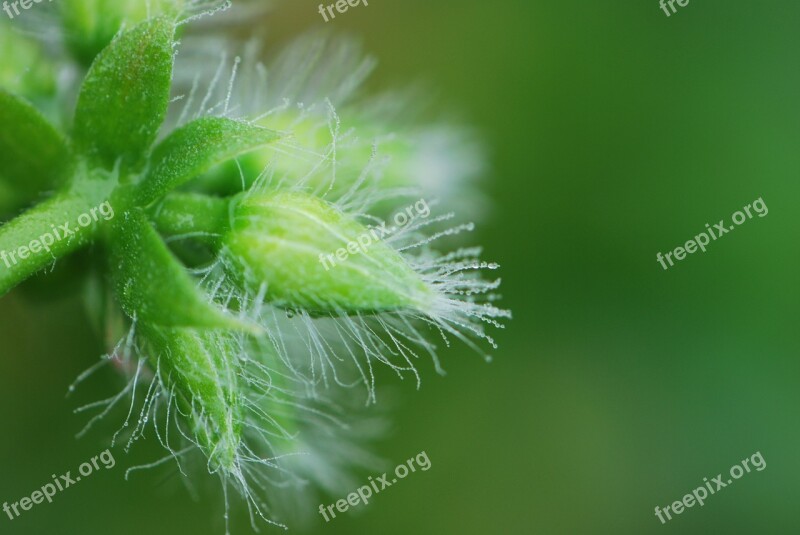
310	255
201	368
436	160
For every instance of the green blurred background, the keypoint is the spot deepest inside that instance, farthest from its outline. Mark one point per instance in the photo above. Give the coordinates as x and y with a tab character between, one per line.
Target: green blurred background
616	132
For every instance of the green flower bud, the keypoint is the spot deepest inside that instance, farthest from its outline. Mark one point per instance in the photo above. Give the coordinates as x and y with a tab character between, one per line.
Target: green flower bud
310	255
201	368
434	160
310	153
334	139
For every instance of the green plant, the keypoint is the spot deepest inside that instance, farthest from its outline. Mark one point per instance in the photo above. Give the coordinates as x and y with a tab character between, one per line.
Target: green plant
217	218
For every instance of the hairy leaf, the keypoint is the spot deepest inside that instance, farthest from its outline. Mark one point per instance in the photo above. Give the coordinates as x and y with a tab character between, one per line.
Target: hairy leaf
124	99
197	147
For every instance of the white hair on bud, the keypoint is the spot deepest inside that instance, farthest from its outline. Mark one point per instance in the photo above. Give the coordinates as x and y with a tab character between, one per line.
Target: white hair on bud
312	92
341	348
289	438
296	425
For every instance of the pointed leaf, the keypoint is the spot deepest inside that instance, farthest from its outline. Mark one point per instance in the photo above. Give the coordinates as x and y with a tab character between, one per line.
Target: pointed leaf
197	147
153	286
124	99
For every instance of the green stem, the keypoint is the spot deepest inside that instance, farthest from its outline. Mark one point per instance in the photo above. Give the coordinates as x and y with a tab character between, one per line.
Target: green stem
185	214
52	229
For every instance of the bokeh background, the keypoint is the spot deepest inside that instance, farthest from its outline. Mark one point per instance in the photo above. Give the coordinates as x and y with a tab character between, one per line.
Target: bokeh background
616	132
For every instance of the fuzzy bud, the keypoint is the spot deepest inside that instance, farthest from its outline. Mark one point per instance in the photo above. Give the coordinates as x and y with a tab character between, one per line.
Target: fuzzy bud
310	255
201	368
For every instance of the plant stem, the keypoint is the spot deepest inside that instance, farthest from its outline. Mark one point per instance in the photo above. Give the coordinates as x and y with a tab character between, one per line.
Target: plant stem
184	214
51	229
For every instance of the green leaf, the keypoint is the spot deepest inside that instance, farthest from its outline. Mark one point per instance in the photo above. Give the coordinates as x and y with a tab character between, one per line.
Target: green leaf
197	147
125	95
33	155
153	286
